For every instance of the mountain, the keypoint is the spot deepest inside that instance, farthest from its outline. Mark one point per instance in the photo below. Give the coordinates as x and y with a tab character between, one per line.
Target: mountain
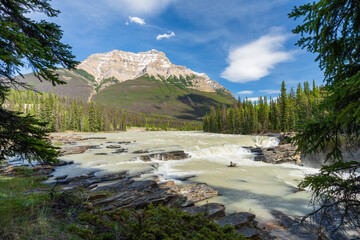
124	66
145	82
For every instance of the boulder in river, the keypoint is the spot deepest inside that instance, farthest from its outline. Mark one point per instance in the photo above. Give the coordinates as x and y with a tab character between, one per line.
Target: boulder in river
120	150
77	149
165	156
140	151
113	146
285	153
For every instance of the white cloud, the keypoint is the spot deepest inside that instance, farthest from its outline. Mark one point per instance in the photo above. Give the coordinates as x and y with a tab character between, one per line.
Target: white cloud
270	91
165	35
253	61
136	20
246	92
253	99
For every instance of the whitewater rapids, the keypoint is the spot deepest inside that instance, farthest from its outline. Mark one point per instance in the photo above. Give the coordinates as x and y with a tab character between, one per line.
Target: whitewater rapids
251	186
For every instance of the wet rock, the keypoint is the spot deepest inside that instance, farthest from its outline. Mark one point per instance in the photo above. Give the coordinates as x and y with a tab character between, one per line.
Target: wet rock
124	142
120	150
167	184
113	146
135	200
77	149
67	139
101	154
61	163
285	153
145	158
38	170
251	233
114	186
260	158
238	220
136	194
95	138
187	204
283	219
195	192
61	177
140	151
86	180
232	164
77	178
112	176
284	138
211	210
184	177
165	156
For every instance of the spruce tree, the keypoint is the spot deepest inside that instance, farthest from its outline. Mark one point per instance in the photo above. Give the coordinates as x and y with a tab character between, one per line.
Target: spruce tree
331	29
37	45
284	108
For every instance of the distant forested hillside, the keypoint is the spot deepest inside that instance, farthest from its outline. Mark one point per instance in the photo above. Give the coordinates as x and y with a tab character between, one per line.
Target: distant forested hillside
71	114
285	112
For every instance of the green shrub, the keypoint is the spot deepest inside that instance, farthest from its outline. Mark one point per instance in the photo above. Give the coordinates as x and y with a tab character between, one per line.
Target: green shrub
151	223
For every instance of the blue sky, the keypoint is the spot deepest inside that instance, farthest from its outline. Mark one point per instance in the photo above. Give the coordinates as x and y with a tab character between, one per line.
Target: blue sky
247	46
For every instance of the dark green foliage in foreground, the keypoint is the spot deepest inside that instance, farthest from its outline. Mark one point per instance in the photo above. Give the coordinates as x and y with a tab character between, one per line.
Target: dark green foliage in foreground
28	43
282	114
331	29
64	114
34	44
25	136
150	224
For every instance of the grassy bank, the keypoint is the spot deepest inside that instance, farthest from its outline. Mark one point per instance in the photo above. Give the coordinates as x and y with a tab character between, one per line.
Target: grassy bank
26	212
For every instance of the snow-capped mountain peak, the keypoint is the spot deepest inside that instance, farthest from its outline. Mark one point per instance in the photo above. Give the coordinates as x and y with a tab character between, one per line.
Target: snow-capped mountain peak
126	66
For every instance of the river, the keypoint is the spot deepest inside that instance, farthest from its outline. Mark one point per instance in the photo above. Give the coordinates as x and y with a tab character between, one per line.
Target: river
251	186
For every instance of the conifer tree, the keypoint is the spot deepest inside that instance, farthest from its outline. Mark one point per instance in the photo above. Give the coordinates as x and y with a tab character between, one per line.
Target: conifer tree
284	108
37	45
331	29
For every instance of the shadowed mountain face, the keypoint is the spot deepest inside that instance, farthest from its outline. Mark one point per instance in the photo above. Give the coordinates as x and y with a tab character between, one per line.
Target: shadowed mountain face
144	82
152	96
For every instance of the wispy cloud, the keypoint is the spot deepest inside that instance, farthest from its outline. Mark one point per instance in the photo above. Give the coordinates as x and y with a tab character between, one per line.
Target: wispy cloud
147	7
137	20
270	91
165	35
246	92
253	61
253	99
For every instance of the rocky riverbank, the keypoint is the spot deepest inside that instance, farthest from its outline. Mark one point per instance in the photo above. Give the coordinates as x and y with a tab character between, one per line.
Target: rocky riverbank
285	152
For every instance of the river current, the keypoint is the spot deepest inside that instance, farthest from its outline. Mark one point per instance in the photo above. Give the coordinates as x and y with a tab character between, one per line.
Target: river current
251	186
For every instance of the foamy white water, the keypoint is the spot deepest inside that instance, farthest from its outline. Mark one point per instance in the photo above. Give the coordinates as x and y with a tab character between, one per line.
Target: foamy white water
254	186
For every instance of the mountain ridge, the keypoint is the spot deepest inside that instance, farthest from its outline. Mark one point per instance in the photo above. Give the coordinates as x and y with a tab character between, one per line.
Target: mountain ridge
126	66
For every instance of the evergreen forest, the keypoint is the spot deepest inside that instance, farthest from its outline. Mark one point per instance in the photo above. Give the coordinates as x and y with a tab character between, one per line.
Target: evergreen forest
67	114
281	114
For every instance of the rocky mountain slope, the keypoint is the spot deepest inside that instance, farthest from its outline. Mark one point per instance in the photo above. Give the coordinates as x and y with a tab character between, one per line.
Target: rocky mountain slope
144	82
124	66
